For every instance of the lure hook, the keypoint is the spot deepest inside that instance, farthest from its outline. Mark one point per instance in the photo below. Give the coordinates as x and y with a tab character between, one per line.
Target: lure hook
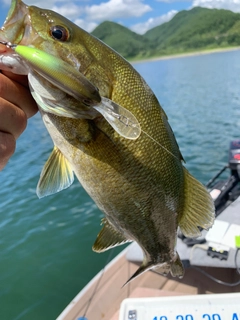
8	44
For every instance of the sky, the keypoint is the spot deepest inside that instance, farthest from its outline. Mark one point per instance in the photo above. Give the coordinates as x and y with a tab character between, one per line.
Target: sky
137	15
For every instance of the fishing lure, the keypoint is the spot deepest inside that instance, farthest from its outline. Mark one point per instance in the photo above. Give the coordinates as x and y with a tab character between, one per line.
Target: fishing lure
65	77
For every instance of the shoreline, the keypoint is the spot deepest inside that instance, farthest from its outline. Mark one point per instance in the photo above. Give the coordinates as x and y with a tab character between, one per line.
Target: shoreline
185	55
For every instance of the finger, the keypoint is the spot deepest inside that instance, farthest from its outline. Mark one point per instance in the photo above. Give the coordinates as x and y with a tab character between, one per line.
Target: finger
13	119
7	148
18	78
2	48
17	94
23	80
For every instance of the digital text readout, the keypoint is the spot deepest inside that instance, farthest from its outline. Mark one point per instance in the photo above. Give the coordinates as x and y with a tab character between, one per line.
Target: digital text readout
205	316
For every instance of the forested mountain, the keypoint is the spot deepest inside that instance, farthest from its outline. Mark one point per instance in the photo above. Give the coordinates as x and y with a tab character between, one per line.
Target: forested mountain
123	40
192	30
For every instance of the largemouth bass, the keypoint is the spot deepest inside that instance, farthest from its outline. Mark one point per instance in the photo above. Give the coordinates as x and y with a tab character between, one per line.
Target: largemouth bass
108	129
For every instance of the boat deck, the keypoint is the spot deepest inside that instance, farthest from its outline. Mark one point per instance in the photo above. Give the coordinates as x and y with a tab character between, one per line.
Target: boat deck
154	285
149	284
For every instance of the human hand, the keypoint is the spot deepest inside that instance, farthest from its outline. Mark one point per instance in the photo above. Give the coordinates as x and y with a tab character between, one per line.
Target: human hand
16	106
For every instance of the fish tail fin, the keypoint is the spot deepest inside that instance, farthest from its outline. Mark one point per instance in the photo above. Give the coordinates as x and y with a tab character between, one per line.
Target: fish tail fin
175	268
198	208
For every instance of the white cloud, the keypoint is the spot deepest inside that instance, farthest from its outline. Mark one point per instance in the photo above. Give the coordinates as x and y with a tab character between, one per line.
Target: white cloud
89	26
233	5
141	28
89	16
69	10
117	9
46	4
7	2
171	1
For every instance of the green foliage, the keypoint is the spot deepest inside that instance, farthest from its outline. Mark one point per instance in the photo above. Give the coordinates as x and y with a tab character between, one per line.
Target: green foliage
192	30
126	42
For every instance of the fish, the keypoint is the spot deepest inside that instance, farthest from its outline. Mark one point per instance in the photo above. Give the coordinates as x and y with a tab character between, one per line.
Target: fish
110	131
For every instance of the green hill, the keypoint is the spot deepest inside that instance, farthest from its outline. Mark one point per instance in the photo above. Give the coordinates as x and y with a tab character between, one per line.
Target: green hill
192	30
199	28
126	42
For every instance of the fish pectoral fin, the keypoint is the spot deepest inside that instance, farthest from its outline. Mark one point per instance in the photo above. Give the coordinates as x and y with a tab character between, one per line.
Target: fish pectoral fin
198	209
108	238
56	175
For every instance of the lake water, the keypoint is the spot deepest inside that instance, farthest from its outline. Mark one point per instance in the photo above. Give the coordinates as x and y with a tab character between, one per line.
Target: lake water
45	245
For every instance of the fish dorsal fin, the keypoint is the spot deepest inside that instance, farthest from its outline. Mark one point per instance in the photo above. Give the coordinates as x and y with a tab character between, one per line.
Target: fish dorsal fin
108	238
198	209
56	174
121	119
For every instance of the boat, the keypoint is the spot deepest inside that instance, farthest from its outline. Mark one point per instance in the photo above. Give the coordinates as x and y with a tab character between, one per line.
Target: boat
210	288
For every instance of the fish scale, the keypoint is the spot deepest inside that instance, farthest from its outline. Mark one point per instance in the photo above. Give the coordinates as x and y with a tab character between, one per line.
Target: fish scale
121	148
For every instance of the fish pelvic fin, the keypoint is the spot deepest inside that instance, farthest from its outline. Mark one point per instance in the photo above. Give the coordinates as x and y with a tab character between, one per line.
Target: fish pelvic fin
56	174
175	268
198	208
108	238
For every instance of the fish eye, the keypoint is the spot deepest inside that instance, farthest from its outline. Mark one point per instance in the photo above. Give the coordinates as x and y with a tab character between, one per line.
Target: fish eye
59	33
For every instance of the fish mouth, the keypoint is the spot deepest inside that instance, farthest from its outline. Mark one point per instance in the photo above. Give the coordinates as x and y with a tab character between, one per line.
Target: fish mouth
17	26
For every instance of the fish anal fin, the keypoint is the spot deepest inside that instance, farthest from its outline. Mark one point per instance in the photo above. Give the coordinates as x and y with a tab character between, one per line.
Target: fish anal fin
56	174
198	209
108	238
